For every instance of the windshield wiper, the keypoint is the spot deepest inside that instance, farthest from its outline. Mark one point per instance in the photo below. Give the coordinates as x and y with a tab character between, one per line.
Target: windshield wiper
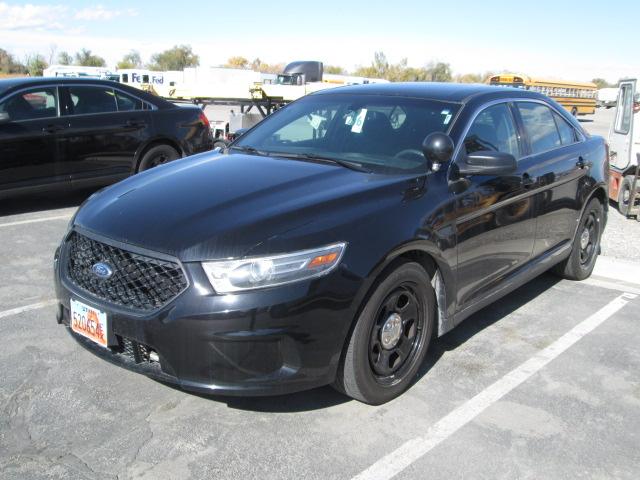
358	167
251	150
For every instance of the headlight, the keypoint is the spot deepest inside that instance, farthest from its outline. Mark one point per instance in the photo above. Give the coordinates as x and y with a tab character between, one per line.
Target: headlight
235	275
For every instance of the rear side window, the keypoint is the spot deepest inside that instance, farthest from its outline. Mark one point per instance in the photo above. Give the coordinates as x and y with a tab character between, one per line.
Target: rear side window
127	102
89	100
31	104
539	126
566	131
493	130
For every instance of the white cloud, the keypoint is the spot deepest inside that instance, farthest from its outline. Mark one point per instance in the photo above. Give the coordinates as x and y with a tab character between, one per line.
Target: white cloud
19	17
99	12
53	17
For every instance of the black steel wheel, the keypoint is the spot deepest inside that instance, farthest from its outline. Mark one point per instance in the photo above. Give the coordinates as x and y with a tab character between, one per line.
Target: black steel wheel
589	238
157	155
396	334
391	336
586	244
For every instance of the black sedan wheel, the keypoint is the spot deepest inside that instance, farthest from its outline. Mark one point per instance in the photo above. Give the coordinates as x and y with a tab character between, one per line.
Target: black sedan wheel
157	156
586	244
390	338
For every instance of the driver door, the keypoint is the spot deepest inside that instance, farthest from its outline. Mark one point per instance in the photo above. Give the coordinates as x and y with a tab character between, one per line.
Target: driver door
621	138
495	225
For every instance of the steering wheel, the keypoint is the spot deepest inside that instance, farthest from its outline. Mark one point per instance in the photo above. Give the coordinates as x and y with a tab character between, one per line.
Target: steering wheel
407	151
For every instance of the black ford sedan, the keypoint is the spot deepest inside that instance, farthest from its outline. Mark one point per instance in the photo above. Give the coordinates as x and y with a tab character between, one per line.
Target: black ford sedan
333	241
58	133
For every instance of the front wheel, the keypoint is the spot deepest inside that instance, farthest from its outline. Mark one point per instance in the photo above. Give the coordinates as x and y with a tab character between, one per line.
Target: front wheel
586	244
390	337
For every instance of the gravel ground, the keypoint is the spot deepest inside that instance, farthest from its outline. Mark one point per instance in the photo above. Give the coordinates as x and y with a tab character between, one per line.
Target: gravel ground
620	239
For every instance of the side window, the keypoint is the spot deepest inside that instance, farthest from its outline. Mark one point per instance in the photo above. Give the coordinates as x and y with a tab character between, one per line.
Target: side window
539	126
31	104
567	133
493	130
625	107
127	102
88	100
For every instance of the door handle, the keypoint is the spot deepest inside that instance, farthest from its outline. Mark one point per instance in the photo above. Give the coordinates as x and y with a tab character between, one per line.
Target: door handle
52	128
527	180
582	164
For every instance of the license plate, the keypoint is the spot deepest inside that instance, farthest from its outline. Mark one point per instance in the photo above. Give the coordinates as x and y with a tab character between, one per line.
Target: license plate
89	322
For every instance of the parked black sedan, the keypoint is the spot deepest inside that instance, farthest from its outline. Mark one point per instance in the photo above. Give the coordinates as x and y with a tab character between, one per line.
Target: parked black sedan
334	240
68	132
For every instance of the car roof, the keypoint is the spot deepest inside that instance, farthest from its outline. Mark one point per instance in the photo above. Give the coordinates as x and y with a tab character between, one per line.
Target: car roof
450	92
15	83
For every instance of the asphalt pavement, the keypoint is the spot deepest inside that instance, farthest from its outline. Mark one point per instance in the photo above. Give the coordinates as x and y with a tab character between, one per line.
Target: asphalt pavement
542	384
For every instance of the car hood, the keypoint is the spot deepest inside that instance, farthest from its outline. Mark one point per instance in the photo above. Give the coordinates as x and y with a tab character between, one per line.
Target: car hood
221	206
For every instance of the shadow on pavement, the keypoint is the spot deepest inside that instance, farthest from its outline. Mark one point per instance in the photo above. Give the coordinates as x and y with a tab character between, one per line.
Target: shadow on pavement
36	203
486	317
324	397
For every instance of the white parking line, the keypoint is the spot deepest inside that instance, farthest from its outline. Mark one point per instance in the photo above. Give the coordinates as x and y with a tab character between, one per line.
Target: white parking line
412	450
26	308
611	285
617	269
35	220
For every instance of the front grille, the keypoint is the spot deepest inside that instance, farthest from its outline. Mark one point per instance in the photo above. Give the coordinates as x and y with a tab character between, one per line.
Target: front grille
135	351
138	281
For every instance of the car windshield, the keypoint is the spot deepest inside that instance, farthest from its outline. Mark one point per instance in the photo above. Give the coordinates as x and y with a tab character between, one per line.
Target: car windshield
382	134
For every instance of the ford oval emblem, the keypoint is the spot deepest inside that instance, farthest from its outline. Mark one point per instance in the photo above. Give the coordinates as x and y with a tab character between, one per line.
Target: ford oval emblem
102	270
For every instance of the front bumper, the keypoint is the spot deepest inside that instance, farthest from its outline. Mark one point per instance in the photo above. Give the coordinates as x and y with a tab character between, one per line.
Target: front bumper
264	342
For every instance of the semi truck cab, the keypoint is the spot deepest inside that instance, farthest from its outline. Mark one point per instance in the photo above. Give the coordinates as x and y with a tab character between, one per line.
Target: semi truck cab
624	149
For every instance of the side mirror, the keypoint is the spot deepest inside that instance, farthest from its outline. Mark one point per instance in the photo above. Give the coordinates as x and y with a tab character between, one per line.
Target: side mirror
437	148
488	163
4	118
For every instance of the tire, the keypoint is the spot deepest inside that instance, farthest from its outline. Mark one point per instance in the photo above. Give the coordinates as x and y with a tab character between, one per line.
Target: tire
157	156
625	190
585	248
374	373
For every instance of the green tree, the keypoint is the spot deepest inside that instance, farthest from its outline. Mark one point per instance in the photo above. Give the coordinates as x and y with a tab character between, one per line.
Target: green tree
439	72
86	59
334	69
241	62
8	64
176	58
130	60
64	58
601	83
469	78
36	64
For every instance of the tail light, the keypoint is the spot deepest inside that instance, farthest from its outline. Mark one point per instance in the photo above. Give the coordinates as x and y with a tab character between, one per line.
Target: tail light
205	121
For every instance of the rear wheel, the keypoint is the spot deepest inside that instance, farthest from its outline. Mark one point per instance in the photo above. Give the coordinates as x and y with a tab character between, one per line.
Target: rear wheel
157	156
624	195
586	244
390	338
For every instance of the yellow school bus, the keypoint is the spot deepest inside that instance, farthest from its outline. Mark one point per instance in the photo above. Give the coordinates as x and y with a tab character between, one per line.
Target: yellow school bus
578	98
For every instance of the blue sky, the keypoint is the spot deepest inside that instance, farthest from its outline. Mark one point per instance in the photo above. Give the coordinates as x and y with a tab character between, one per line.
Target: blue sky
565	39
